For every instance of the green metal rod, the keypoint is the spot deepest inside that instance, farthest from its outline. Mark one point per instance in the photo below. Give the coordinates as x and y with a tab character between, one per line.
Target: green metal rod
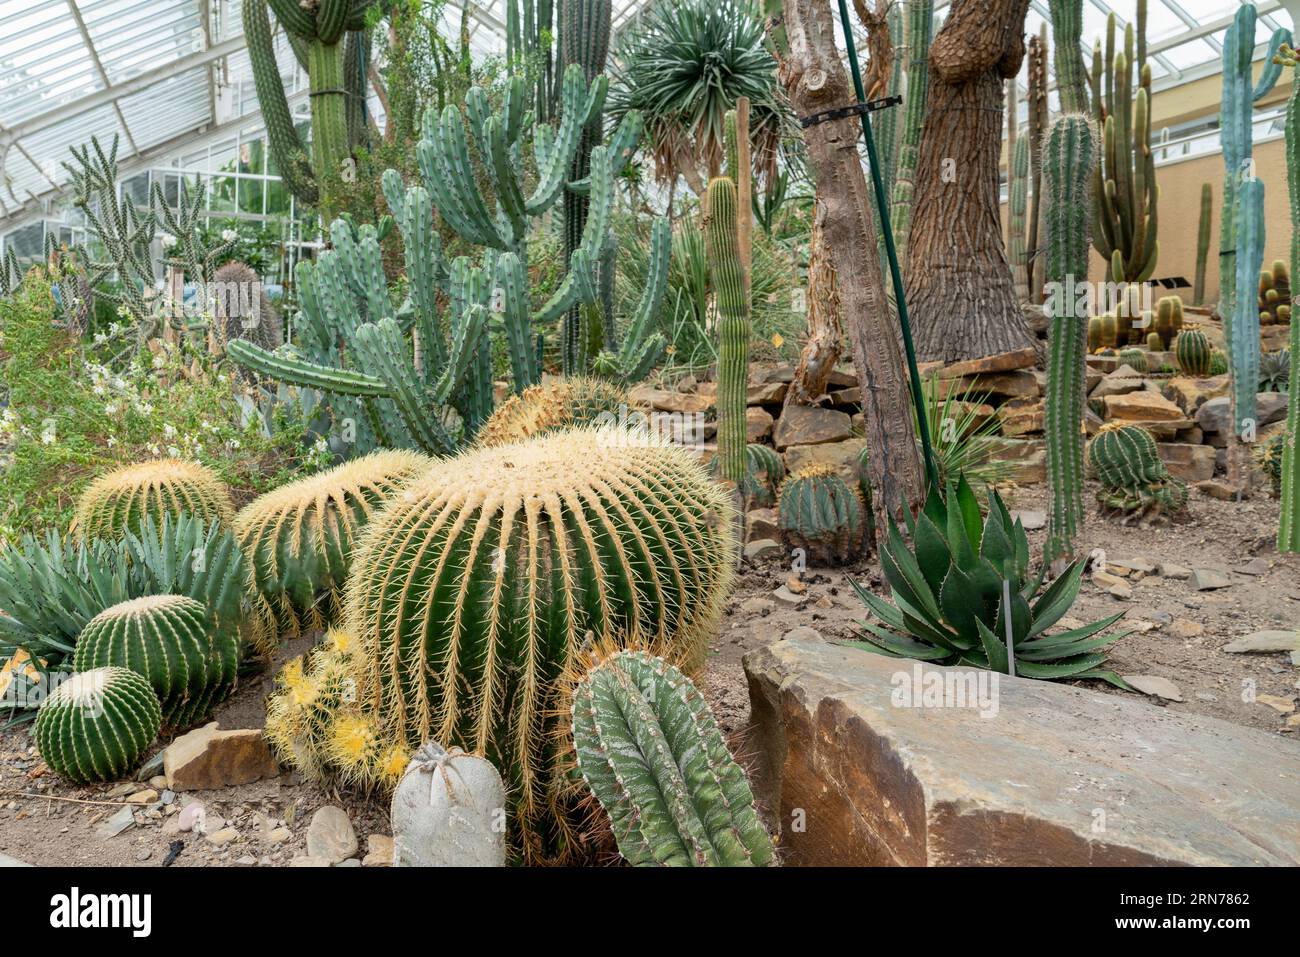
890	253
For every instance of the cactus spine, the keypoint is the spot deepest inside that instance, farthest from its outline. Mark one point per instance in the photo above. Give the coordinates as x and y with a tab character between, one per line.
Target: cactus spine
821	514
1069	158
170	640
1124	189
649	748
919	30
556	405
1288	535
97	724
1202	243
1067	34
1192	350
121	500
728	272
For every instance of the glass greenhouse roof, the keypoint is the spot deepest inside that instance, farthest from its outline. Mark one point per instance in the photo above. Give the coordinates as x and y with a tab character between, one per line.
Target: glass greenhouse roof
160	73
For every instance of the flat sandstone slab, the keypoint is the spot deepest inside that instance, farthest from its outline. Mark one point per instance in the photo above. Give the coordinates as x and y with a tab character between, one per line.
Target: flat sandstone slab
1057	776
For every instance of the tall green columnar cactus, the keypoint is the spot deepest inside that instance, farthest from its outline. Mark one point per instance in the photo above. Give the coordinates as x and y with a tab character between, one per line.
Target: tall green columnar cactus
584	41
1288	535
1242	338
1069	155
885	127
1019	200
1038	120
1202	244
1067	34
650	749
728	273
1124	192
919	30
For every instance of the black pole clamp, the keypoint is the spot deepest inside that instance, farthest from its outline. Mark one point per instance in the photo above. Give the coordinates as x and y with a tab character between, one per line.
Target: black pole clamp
857	109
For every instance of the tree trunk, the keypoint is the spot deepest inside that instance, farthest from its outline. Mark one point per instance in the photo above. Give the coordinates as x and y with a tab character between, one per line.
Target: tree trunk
959	287
844	208
822	349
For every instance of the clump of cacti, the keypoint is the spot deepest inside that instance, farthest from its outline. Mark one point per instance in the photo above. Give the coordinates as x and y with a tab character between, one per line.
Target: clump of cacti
649	748
1193	352
1069	155
1134	359
119	501
554	405
97	724
1168	320
819	513
519	551
1103	332
726	266
1134	480
173	642
298	539
1275	295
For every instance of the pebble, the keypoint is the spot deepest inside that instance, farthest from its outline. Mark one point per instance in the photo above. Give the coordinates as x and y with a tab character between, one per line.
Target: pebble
223	837
278	836
116	824
144	854
379	851
787	597
1207	579
1170	570
757	606
330	835
1182	628
143	797
1278	703
1265	642
1032	521
309	861
189	816
1256	566
1155	686
803	633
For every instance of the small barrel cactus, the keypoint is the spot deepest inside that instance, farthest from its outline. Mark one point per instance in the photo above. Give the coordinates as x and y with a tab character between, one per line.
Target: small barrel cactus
1103	333
120	500
1133	358
173	642
1155	343
449	811
821	514
1218	362
299	537
97	724
1192	350
764	471
560	404
1168	320
1133	477
1275	294
650	750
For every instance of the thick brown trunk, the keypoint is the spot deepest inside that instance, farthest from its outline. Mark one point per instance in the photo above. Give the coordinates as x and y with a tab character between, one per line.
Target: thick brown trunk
960	291
822	349
844	208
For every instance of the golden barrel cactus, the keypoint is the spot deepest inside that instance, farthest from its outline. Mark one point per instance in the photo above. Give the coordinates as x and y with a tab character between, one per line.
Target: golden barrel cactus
121	500
560	404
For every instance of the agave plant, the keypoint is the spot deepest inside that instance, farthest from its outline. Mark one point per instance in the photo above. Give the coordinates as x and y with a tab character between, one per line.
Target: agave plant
1275	371
954	589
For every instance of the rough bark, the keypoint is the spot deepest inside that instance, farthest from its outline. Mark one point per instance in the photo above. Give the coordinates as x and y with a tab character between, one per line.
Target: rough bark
822	349
845	210
960	290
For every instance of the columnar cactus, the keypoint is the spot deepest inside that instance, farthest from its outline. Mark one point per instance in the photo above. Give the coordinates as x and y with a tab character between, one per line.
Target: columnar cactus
97	724
1133	478
520	551
1288	535
1202	243
119	501
1192	350
173	642
919	29
1124	188
1019	201
649	748
1069	156
729	281
1242	335
1067	35
555	405
821	514
298	539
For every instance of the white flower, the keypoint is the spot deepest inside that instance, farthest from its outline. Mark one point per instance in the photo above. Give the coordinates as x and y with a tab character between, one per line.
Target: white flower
97	389
111	408
153	449
229	235
112	441
100	338
167	240
169	431
159	362
144	408
233	443
173	451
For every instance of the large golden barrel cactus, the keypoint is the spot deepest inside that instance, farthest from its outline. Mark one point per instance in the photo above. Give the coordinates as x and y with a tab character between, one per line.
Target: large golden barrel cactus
559	404
299	538
474	592
120	500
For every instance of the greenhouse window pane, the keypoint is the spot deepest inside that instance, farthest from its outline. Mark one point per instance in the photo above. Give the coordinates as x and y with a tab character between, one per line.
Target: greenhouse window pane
1188	55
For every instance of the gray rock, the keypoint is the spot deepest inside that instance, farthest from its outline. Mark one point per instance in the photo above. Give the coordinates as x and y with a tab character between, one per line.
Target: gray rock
803	633
1155	686
1265	642
786	597
762	548
115	825
309	861
1143	565
350	862
1170	570
330	835
1031	520
1255	567
1207	579
757	606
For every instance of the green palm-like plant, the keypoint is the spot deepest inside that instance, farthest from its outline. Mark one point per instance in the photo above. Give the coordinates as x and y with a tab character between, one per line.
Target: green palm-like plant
955	587
962	444
683	66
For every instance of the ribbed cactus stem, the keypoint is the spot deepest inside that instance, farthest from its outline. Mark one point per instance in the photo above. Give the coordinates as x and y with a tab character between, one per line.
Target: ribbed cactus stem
1069	155
1243	337
1016	227
1067	35
919	29
728	274
650	749
1202	244
97	724
329	121
1288	535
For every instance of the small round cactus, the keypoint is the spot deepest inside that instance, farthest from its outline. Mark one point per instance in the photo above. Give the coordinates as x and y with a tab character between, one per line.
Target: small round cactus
1192	350
554	405
172	641
121	500
1218	362
299	538
97	724
1135	359
821	514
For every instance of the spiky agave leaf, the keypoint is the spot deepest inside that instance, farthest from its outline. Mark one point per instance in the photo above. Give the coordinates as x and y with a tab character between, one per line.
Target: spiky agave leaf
120	501
478	586
298	539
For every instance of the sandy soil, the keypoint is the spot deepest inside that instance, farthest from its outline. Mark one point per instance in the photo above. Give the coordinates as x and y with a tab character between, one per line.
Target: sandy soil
1179	635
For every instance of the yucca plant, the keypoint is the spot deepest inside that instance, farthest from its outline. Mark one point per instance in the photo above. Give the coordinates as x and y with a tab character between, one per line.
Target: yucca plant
474	591
554	405
171	641
298	539
963	577
96	725
962	444
119	501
